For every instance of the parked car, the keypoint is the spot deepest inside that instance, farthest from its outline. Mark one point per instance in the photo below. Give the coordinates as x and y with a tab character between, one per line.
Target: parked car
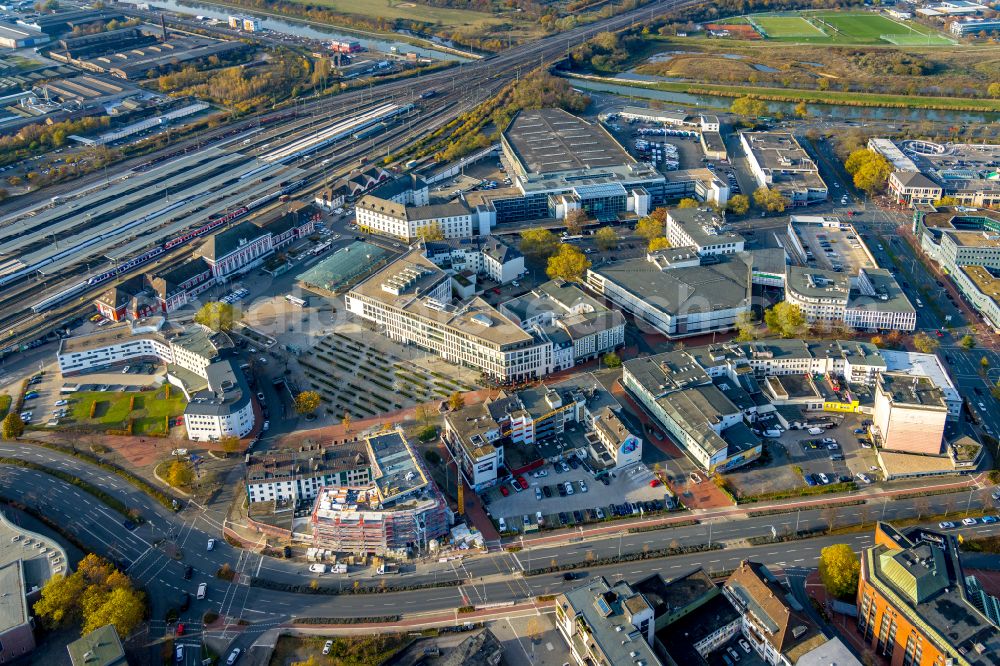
569	487
968	522
946	525
745	646
211	544
583	486
327	647
546	491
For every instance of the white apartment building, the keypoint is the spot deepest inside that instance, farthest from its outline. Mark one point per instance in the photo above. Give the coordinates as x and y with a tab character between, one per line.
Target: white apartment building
489	256
778	162
409	301
299	475
872	300
219	400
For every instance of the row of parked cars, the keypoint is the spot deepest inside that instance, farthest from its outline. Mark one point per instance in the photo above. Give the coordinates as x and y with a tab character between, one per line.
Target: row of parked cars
969	522
581	516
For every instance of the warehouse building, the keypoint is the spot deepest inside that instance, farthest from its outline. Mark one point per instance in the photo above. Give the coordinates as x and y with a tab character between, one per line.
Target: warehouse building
19	36
399	512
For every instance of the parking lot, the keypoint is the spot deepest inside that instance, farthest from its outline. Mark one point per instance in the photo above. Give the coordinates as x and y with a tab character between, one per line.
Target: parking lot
547	493
832	248
798	457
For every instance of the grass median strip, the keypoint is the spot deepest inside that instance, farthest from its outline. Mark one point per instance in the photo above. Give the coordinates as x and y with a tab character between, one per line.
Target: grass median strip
104	497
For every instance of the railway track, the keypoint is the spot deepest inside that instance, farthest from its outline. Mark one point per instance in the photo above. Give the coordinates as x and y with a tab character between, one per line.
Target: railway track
488	75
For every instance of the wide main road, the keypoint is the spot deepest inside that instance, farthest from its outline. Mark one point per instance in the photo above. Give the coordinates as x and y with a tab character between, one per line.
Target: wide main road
157	553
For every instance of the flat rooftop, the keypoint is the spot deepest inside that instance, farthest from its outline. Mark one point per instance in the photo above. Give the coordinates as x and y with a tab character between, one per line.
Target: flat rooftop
832	243
974	238
912	391
985	281
818	284
688	290
552	140
402	283
395	467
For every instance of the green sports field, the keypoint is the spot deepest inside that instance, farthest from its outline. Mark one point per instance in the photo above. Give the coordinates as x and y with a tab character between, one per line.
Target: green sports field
825	27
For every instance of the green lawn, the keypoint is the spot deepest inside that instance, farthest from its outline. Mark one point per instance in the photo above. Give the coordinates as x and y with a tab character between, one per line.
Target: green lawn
5	401
392	9
112	411
827	27
783	27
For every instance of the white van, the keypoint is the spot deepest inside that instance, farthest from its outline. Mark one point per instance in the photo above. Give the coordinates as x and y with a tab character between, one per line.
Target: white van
815	431
317	568
772	432
502	524
202	590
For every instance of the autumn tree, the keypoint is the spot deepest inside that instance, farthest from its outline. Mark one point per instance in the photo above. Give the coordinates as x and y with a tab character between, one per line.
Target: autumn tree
687	202
230	444
307	402
180	474
869	169
738	204
993	90
539	243
946	201
770	200
748	106
785	319
431	232
802	110
746	326
346	421
12	426
96	594
659	243
606	239
574	221
422	415
216	315
839	569
612	360
456	401
925	343
649	228
967	342
569	263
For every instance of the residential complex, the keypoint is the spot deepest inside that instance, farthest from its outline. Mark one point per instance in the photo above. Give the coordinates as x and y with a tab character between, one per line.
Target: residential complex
399	511
779	163
711	399
689	619
580	327
410	301
198	362
488	256
483	437
930	171
448	220
917	606
298	475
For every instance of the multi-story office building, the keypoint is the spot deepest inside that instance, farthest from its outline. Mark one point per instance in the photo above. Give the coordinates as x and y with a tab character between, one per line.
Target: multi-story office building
966	244
676	291
579	326
399	512
779	163
410	302
198	362
298	475
236	249
477	435
930	171
916	606
701	229
909	414
870	300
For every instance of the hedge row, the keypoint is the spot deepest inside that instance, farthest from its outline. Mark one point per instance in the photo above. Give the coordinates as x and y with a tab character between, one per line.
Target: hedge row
662	526
356	619
268	584
112	502
792	509
626	557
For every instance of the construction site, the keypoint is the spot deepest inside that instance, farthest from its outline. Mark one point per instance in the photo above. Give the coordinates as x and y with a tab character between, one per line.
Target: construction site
400	512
